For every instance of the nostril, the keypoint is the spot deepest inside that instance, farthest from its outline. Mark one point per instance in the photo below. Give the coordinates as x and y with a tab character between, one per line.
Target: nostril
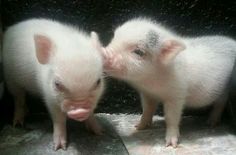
72	107
73	104
81	104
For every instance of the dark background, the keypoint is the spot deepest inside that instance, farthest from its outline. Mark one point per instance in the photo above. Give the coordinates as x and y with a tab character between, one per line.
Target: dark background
186	17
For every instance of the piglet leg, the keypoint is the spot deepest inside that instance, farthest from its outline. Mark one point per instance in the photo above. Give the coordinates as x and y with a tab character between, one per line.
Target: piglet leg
173	111
59	126
218	108
20	109
93	125
149	106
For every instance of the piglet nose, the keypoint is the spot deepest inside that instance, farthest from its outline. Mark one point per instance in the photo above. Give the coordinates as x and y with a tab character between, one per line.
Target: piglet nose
72	104
80	101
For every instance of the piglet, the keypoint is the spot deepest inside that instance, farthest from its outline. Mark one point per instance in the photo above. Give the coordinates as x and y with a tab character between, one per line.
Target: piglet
165	67
59	63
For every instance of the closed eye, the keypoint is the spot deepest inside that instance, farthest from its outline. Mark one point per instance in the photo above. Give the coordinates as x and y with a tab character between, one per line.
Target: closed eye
139	52
59	86
97	84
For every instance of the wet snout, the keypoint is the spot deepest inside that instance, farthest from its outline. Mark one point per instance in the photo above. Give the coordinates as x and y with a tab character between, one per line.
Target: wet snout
78	109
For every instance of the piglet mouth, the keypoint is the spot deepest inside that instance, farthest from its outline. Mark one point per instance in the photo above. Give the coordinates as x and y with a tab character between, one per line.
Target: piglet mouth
78	110
79	114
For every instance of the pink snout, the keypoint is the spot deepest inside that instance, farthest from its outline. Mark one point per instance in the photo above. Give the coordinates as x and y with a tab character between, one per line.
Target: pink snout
113	62
78	110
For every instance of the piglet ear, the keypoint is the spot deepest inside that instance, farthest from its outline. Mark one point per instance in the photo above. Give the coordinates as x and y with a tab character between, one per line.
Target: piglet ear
98	45
169	50
43	46
106	55
95	40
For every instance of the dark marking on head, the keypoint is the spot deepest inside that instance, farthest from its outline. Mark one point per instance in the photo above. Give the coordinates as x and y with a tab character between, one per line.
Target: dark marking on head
152	39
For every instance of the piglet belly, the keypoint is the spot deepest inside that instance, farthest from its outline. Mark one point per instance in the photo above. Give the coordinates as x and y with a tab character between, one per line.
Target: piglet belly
199	98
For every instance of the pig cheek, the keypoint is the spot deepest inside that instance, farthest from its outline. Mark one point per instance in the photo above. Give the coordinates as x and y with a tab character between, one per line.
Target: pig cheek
121	68
67	106
64	107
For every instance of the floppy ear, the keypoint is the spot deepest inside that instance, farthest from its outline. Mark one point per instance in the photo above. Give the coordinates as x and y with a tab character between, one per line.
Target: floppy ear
169	50
43	47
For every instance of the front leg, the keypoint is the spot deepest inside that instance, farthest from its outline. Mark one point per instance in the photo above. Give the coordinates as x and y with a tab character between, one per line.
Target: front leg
93	125
173	112
149	106
59	126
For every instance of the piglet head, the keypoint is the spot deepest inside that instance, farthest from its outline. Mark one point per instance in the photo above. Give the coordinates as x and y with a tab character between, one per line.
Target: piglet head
138	48
73	73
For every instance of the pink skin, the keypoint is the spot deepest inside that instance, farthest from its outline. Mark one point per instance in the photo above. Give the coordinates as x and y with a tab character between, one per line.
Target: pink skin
113	60
58	71
116	63
78	110
166	68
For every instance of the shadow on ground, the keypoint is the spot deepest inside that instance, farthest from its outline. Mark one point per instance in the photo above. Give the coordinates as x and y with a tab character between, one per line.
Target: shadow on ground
36	139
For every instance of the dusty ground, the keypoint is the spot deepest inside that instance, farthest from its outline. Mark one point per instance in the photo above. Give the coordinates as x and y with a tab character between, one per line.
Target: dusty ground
120	138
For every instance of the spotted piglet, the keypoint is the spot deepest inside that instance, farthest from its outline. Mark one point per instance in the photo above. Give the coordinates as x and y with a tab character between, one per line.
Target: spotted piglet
165	67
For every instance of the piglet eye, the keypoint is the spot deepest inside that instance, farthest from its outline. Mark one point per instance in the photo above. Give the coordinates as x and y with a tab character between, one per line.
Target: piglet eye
58	86
98	82
139	52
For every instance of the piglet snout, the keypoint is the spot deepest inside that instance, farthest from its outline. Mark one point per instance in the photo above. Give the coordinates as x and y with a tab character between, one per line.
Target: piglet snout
78	110
112	61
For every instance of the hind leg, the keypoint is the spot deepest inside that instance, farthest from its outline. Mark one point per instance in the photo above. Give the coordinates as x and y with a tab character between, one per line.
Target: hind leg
19	102
218	108
20	108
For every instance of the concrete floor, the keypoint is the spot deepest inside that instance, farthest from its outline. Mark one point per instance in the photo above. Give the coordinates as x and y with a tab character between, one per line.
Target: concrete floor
120	138
197	138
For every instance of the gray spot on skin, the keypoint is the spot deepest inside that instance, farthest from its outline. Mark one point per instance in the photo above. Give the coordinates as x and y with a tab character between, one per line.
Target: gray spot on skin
152	39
